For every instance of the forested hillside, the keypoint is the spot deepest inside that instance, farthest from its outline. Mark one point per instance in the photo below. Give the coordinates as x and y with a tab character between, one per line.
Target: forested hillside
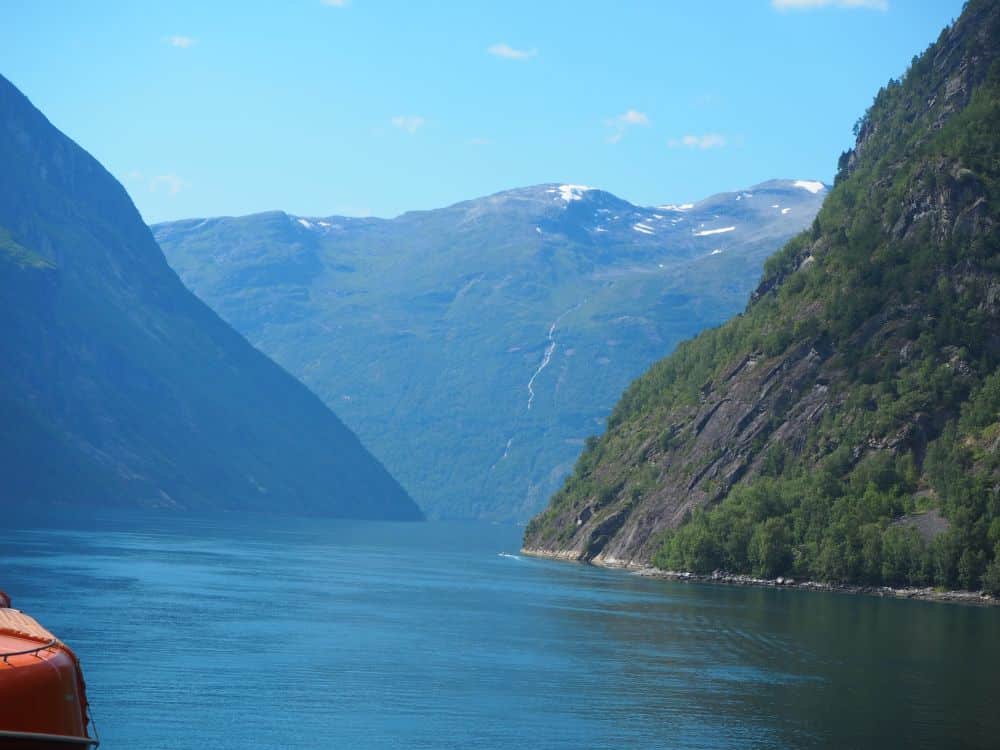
845	427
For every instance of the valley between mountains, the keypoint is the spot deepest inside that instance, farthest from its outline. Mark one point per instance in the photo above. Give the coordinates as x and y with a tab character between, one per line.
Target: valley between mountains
475	348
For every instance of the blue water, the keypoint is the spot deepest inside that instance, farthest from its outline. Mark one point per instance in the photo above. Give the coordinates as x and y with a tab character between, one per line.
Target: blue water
237	632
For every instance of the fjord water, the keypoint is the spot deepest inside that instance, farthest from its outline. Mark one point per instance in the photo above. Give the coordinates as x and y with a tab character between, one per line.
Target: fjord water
240	632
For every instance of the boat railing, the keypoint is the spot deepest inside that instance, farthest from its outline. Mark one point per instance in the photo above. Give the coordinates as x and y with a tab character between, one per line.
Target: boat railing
5	655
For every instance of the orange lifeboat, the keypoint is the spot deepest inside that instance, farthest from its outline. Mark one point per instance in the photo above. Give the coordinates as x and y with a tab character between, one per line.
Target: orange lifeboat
43	703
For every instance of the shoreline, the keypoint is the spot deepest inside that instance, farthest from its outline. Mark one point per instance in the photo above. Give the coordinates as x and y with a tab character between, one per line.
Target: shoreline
927	593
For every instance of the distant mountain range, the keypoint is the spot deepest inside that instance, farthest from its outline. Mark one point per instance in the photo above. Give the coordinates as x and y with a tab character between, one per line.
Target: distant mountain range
118	387
474	348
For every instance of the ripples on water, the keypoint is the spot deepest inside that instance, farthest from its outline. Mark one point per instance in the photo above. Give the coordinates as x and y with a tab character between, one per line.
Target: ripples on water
234	632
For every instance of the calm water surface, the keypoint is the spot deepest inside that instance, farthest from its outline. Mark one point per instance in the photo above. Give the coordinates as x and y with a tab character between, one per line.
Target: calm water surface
236	632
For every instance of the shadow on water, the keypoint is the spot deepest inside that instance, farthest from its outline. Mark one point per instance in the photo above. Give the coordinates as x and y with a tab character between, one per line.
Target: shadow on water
809	668
249	631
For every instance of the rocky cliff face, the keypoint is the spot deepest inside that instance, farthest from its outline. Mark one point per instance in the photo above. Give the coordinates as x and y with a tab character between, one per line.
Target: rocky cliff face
894	286
118	387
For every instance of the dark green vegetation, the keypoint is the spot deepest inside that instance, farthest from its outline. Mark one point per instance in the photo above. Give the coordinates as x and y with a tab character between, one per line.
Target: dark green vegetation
118	386
423	332
846	427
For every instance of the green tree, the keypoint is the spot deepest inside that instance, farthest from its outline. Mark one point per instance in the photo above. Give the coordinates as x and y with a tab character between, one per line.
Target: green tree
769	550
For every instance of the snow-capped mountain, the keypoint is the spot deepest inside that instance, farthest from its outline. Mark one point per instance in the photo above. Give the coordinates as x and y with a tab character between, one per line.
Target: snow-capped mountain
475	347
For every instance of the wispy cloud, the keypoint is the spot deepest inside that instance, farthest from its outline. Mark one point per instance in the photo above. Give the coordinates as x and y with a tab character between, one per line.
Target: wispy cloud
170	182
623	122
703	142
410	123
511	53
335	3
882	5
180	41
480	141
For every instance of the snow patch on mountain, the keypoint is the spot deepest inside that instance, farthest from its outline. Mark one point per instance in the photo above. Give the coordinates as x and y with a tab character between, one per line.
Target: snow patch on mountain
570	192
709	232
813	186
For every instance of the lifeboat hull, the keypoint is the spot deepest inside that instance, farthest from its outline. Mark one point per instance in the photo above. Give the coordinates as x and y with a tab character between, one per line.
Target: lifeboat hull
36	741
43	702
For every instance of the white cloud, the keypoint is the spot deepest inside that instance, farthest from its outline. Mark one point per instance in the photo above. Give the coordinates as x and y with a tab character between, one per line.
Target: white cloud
171	182
882	5
703	142
505	50
180	41
632	117
622	122
410	123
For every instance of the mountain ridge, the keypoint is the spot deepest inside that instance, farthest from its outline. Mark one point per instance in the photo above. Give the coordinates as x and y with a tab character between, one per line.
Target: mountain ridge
525	191
121	387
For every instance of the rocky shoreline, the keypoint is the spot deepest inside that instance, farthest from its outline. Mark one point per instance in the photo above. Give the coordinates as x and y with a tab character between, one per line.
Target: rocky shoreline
976	598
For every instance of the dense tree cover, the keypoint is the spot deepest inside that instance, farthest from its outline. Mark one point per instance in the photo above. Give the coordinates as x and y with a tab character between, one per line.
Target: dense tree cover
895	287
833	525
835	519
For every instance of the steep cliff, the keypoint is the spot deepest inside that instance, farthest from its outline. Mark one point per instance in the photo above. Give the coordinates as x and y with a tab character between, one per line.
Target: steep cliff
119	387
846	425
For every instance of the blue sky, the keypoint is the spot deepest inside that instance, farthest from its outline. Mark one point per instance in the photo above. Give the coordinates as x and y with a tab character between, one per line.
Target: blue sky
373	108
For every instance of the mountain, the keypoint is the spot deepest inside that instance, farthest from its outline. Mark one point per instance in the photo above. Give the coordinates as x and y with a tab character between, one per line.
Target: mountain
473	348
845	427
119	387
